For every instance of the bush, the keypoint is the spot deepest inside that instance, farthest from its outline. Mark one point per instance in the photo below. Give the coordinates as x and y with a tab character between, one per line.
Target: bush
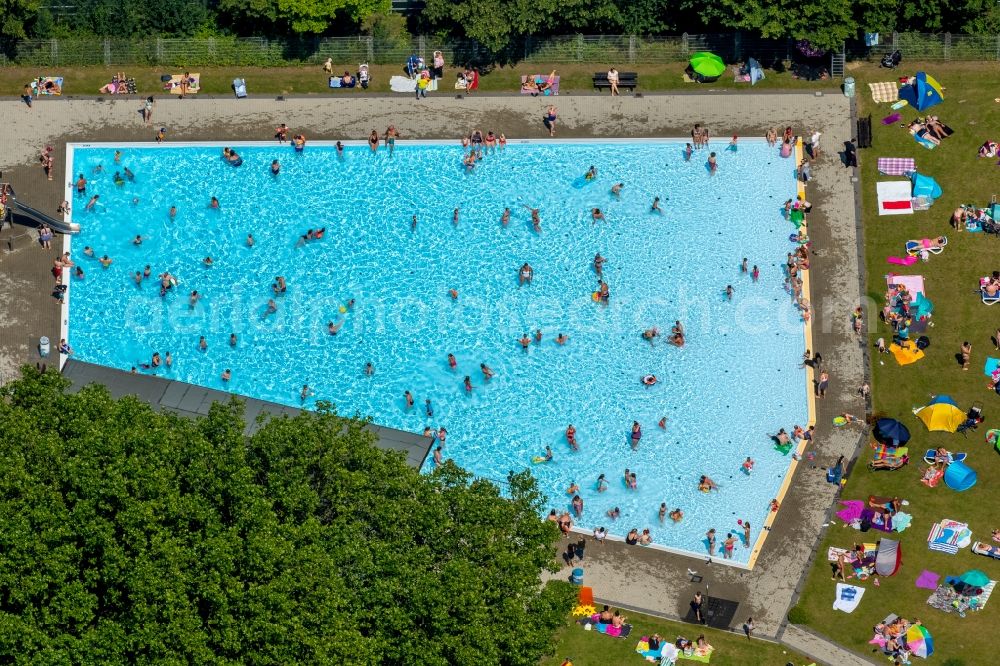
798	615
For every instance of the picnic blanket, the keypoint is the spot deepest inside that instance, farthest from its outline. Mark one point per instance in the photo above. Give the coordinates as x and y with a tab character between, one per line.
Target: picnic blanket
47	85
894	197
667	653
948	536
173	86
896	166
914	284
848	597
946	599
539	79
605	628
886	91
698	655
405	84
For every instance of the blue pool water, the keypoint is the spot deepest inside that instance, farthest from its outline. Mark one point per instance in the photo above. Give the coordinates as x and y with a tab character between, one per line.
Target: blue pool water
737	379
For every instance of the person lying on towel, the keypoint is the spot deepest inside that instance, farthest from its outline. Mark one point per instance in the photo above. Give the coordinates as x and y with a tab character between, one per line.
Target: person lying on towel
937	128
919	130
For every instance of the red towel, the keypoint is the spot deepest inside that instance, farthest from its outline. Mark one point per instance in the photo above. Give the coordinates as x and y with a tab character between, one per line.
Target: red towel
896	205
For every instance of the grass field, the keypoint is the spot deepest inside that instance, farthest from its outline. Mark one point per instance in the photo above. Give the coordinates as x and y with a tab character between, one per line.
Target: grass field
589	648
86	81
951	283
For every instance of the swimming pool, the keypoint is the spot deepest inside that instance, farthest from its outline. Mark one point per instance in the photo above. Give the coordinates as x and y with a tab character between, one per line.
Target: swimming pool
737	378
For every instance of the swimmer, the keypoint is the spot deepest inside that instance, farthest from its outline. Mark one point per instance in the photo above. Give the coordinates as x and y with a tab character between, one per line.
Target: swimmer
636	434
99	168
649	380
147	271
602	484
656	206
369	369
207	261
743	266
650	334
105	261
729	292
118	179
173	212
340	150
453	293
137	240
452	363
713	166
202	343
275	168
525	341
663	423
226	375
413	223
755	273
169	359
454	217
93	202
525	275
591	173
272	307
81	184
118	156
306	392
428	408
332	328
467	383
232	340
128	174
603	291
688	151
663	512
536	219
538	335
487	371
732	144
596	214
706	484
279	284
614	514
193	299
438	458
571	437
214	203
676	515
79	273
599	264
573	488
250	240
561	339
505	218
88	251
748	465
617	189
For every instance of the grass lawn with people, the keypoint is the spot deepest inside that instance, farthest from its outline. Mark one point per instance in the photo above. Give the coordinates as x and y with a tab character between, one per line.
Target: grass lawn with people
951	282
590	648
311	80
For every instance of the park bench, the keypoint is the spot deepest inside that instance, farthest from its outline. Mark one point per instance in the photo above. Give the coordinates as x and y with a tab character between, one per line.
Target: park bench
626	81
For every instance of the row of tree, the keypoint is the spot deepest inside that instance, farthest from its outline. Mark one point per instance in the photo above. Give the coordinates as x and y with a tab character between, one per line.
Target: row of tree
496	23
129	536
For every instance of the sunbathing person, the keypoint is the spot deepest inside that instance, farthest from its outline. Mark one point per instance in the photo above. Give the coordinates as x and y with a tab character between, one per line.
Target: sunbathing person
937	128
919	130
988	149
529	85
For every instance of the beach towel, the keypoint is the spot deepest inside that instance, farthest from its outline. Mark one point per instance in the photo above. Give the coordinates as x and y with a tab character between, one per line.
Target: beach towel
703	658
47	85
173	86
891	118
948	536
928	580
926	143
886	91
914	284
992	365
896	166
404	84
667	652
848	597
540	78
901	521
894	197
852	510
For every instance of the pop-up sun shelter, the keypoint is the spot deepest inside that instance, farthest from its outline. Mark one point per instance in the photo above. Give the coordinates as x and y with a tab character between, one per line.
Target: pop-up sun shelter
925	190
888	558
923	93
941	414
959	476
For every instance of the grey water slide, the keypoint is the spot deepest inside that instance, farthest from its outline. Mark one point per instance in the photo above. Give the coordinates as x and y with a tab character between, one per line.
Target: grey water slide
38	216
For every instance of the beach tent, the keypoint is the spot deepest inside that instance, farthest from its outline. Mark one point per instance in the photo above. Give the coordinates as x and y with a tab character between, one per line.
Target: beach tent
923	93
892	432
959	476
925	186
888	558
756	71
941	414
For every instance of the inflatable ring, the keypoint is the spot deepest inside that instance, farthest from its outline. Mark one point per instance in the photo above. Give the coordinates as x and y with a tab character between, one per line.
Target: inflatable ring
649	380
538	459
343	309
839	421
596	296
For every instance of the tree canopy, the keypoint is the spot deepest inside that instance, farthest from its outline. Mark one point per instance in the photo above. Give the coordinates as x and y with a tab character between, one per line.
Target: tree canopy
130	536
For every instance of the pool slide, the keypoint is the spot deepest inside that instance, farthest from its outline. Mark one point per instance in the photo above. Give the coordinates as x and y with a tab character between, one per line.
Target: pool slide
40	217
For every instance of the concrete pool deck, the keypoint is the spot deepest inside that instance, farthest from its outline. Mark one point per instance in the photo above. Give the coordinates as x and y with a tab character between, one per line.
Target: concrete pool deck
634	577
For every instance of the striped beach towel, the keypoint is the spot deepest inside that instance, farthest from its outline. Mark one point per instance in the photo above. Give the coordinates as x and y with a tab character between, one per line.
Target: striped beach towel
944	536
896	166
886	91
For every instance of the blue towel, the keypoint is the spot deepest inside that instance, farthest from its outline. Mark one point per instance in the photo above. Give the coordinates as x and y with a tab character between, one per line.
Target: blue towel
991	365
926	143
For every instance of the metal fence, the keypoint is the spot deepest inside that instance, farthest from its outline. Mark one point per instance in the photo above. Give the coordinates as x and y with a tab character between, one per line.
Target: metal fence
617	49
257	51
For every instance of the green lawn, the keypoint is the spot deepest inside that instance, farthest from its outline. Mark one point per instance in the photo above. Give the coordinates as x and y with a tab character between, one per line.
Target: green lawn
951	283
589	648
311	79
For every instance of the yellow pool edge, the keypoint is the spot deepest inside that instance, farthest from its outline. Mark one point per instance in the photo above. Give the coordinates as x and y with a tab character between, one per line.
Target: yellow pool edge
810	394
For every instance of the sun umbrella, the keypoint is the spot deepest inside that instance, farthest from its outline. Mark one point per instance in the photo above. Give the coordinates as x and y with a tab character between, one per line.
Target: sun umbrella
941	416
891	431
919	642
707	64
975	578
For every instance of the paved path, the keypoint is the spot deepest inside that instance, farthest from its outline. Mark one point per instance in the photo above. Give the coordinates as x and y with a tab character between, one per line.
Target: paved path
823	651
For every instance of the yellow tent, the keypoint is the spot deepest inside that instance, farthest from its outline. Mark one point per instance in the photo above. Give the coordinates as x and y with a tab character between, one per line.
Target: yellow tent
907	353
941	416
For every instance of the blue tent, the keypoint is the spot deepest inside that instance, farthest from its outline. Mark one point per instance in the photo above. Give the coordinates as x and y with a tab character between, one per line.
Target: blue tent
959	476
756	71
923	93
925	186
942	398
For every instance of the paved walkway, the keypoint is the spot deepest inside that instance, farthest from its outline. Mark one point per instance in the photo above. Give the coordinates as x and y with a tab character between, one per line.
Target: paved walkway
823	651
638	578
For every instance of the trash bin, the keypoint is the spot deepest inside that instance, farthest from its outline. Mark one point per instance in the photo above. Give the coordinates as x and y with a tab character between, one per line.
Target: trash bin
849	86
576	577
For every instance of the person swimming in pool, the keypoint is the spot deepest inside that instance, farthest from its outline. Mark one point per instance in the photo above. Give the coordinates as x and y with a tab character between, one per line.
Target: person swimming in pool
92	203
487	371
599	264
505	218
214	203
561	339
250	240
656	206
616	190
596	214
591	173
428	409
525	275
332	328
275	167
650	334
